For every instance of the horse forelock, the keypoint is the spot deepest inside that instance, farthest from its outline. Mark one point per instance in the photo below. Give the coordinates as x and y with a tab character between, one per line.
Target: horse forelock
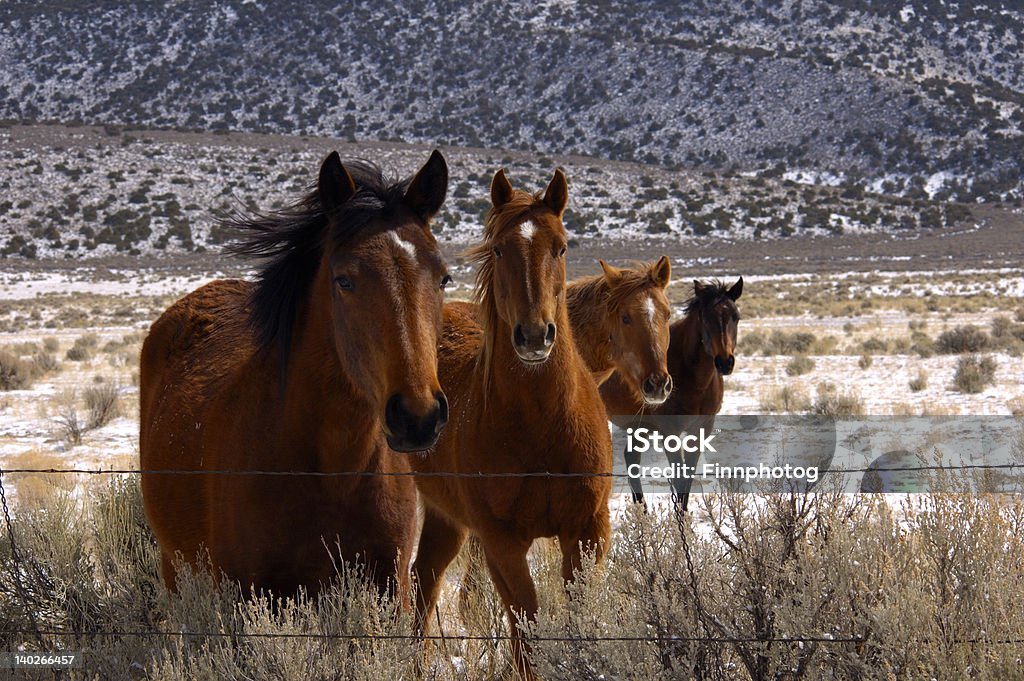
711	294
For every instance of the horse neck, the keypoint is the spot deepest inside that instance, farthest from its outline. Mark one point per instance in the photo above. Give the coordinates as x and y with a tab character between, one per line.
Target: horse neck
587	316
321	405
699	365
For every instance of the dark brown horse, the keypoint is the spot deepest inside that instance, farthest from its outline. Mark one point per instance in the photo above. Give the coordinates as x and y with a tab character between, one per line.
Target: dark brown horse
325	366
522	402
700	353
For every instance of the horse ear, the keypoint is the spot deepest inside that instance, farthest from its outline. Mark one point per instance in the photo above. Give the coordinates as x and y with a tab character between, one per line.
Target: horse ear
612	274
501	189
334	186
697	287
661	272
427	190
736	290
556	196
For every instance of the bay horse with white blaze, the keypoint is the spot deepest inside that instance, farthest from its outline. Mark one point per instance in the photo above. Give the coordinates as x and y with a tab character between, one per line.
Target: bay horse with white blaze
523	404
700	353
323	369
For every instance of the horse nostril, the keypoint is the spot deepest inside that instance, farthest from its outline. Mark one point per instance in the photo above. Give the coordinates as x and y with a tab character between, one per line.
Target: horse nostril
668	385
649	386
549	337
442	412
518	337
393	413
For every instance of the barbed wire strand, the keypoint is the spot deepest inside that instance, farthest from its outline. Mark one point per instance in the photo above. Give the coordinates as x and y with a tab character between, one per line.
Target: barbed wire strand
502	637
467	474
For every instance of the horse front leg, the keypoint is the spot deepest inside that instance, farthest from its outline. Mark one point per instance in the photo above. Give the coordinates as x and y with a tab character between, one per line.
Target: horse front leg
440	542
506	561
591	541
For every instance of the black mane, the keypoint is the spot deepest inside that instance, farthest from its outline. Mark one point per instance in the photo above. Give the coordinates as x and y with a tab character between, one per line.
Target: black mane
711	293
290	242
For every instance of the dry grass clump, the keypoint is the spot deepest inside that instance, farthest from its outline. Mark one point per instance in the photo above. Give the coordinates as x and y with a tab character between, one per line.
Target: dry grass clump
785	400
1016	406
961	339
974	373
865	361
83	349
919	382
15	372
799	365
92	569
795	586
926	590
830	402
922	344
103	404
51	344
779	342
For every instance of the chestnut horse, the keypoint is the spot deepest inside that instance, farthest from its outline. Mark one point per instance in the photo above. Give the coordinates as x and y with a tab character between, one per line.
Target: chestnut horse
325	367
620	320
523	404
700	353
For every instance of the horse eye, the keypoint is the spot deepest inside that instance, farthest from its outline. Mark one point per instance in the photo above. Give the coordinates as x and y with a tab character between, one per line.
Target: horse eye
561	253
343	283
626	320
497	252
445	280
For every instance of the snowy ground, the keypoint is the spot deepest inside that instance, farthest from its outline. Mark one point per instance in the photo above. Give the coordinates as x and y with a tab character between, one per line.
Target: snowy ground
31	435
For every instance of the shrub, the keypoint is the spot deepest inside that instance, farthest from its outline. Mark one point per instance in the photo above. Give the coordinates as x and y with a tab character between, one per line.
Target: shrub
865	361
44	363
874	345
15	373
69	427
103	403
799	365
83	349
786	399
785	343
974	373
919	382
967	338
830	402
50	344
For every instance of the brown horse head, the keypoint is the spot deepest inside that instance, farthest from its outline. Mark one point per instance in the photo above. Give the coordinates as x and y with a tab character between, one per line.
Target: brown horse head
718	317
522	263
637	321
360	250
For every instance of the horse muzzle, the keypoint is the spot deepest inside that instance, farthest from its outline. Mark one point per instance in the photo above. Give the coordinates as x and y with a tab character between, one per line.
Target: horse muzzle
656	388
409	432
533	342
725	365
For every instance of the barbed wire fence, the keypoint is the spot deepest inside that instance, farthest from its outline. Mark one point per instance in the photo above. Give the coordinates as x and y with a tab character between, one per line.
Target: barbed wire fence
39	634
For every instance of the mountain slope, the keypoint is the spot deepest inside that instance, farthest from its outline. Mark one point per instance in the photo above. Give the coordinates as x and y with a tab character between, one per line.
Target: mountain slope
923	98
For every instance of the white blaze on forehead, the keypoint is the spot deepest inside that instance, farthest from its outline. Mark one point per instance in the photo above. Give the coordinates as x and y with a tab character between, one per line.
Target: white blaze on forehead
651	309
403	245
527	230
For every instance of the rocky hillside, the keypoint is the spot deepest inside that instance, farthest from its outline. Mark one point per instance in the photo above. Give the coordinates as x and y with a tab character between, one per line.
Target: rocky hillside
921	98
73	192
